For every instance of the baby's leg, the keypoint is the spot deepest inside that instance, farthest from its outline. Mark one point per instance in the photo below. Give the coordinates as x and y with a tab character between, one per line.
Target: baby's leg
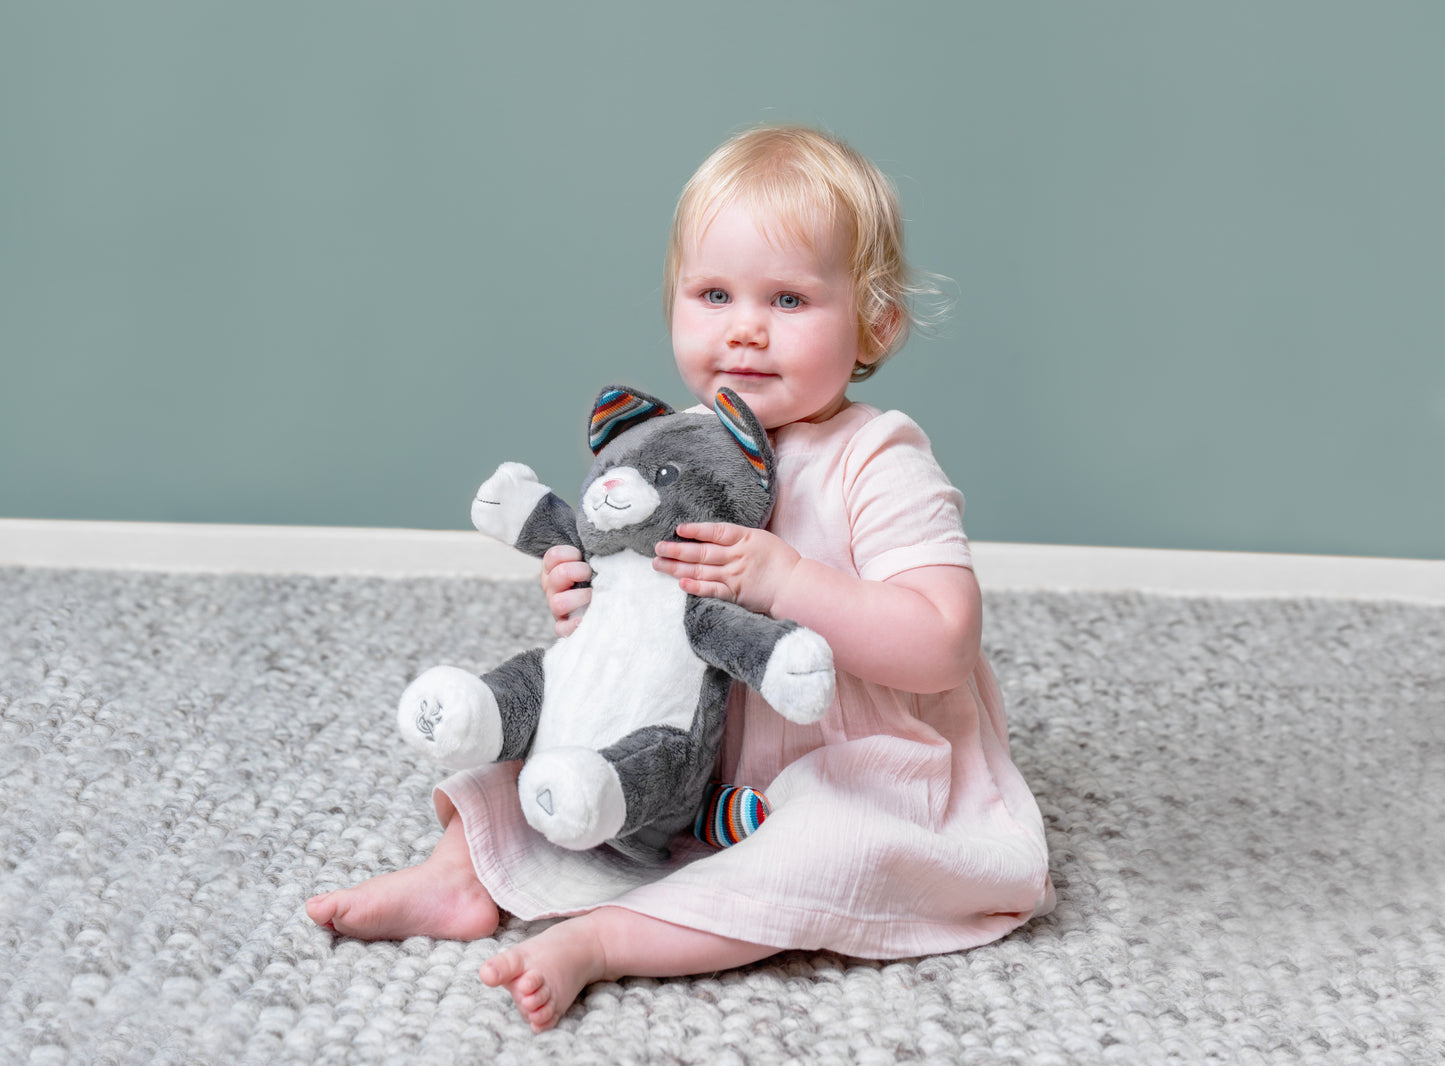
546	973
440	898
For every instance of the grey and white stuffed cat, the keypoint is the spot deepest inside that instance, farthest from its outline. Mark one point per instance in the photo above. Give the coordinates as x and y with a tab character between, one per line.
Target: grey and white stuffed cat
620	722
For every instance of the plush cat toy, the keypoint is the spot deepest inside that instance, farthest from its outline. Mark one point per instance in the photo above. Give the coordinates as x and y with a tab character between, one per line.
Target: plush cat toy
621	721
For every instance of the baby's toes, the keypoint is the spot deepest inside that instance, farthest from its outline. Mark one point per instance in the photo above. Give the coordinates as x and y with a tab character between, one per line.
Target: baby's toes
322	909
531	992
543	1018
500	969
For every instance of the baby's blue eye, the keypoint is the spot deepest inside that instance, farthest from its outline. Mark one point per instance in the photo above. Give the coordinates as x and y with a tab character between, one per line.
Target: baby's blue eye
715	296
789	302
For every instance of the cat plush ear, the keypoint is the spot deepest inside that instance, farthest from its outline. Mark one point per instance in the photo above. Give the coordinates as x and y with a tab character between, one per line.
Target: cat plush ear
738	419
617	410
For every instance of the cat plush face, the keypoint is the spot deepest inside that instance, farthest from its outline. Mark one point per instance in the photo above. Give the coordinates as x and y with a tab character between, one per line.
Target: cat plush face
656	468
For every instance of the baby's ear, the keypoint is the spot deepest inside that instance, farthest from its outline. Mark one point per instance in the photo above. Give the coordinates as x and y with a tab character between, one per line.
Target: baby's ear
616	410
738	419
884	333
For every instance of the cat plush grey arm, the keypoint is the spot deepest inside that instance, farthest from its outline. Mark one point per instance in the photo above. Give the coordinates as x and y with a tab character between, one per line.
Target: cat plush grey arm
620	722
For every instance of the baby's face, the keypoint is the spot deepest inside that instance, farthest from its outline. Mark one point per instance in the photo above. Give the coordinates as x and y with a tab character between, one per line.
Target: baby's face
773	320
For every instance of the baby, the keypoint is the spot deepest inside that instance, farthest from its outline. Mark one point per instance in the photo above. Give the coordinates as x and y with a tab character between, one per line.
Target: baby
899	824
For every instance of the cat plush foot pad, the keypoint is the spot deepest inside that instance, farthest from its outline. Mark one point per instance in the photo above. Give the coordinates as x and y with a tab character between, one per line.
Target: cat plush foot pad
452	717
799	680
572	796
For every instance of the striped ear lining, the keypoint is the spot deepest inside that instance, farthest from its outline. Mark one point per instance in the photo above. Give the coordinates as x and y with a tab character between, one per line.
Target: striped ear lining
616	410
733	420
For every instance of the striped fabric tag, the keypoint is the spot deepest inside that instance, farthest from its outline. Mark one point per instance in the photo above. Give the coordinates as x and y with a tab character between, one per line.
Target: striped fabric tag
615	409
730	813
727	412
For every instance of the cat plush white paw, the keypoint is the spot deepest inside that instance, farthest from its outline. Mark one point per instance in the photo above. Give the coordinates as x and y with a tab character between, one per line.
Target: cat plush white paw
506	500
799	679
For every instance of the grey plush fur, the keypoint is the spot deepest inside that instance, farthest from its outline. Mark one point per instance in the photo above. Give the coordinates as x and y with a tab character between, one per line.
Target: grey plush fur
620	722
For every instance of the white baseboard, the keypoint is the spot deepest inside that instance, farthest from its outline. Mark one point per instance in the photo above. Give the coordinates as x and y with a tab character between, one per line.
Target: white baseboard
1208	573
417	553
239	549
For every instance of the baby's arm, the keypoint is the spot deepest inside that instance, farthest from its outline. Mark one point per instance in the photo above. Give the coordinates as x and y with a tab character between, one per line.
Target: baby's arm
917	631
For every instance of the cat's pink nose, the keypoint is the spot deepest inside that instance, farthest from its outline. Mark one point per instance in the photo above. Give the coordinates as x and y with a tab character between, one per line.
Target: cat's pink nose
612	483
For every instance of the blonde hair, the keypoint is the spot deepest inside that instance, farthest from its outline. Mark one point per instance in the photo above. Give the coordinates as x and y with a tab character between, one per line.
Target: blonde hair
810	182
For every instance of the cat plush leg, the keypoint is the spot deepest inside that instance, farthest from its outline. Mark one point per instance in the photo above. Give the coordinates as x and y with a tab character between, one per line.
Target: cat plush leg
451	716
572	796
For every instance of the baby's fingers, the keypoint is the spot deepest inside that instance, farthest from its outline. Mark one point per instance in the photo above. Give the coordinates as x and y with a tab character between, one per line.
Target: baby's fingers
561	571
566	576
681	551
716	590
696	578
724	533
567	625
565	604
560	553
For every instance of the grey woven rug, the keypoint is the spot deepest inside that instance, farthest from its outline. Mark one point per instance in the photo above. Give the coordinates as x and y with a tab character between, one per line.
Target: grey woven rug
1244	801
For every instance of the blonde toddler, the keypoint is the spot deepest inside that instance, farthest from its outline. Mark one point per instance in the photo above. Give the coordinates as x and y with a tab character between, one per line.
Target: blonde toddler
900	825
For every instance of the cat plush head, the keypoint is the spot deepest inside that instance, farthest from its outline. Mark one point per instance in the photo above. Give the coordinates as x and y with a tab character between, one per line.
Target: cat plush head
656	468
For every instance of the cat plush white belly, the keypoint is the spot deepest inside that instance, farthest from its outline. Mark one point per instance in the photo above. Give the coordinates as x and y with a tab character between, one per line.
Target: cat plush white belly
599	667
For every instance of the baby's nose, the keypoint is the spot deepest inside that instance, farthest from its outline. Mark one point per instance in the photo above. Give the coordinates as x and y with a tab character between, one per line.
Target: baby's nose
748	336
747	330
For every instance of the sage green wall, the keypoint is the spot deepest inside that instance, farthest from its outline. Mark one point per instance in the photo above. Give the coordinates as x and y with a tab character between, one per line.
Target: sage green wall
328	263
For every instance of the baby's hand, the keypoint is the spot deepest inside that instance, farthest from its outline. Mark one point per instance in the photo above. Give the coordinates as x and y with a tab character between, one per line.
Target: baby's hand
563	569
728	562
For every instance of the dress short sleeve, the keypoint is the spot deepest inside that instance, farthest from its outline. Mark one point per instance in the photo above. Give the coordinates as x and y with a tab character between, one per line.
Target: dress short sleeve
903	511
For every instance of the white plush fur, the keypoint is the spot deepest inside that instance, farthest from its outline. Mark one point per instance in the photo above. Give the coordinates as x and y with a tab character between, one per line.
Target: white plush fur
799	680
621	497
572	796
598	667
506	500
452	716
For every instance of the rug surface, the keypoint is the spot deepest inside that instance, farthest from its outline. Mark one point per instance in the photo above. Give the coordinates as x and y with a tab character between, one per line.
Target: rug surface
1243	800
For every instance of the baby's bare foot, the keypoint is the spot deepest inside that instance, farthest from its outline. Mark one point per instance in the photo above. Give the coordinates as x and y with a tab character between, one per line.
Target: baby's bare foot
546	973
410	902
441	898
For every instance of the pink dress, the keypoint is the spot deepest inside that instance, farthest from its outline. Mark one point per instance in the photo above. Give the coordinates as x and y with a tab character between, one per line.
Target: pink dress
899	823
